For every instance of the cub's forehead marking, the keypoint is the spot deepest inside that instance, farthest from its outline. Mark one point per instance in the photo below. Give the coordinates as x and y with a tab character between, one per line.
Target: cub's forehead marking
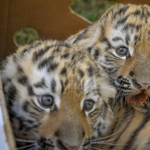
40	84
117	38
121	38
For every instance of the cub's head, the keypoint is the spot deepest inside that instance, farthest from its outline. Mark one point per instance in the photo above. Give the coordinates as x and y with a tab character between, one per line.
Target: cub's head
56	96
120	42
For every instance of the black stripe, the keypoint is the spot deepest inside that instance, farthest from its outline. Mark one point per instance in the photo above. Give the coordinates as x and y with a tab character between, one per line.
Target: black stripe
122	21
89	49
143	14
148	13
121	11
81	73
96	53
138	27
90	71
62	87
30	121
52	67
40	53
63	44
20	69
111	59
11	95
94	113
81	36
36	107
25	50
113	55
135	37
53	86
117	38
40	84
30	90
65	56
21	125
25	106
137	12
63	71
110	71
129	26
127	39
45	62
105	40
73	56
23	79
135	133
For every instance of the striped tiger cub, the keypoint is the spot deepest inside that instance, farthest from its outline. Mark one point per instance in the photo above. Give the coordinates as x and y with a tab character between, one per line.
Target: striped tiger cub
120	42
56	96
130	130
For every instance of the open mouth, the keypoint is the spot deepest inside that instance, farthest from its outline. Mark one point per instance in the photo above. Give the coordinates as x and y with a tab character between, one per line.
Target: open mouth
139	99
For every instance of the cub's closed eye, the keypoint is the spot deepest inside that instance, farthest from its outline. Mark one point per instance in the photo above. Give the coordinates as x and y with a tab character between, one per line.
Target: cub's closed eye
122	51
88	105
46	101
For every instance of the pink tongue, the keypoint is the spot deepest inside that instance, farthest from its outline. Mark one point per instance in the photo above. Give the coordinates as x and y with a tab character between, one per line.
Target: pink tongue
138	99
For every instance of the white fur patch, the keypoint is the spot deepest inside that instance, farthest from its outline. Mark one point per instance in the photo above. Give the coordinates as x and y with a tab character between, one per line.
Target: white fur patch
93	40
10	69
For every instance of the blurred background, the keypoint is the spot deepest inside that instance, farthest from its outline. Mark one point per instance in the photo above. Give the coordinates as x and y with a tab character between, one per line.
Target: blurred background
23	21
91	9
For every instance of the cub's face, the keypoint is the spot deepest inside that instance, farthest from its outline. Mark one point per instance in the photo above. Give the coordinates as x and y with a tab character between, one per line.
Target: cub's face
56	96
120	42
127	54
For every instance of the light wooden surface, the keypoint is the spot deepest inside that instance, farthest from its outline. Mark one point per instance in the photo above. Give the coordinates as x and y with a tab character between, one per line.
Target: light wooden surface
6	134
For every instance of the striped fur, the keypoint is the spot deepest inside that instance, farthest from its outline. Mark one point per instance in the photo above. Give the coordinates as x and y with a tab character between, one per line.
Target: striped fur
127	26
68	75
129	131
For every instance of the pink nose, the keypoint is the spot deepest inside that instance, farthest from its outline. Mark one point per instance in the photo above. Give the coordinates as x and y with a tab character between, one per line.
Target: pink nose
139	85
143	85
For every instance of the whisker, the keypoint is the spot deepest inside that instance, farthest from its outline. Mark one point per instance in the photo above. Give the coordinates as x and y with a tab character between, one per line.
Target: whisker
102	142
28	146
22	140
105	137
36	147
95	148
113	144
31	148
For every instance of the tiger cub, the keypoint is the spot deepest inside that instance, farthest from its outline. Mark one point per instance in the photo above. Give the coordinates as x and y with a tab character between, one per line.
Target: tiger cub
120	43
56	96
130	130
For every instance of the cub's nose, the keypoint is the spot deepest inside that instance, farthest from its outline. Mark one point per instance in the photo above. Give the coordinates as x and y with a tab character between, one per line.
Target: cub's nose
63	146
139	85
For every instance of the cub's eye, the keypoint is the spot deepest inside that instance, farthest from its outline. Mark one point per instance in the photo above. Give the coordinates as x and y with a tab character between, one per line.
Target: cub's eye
88	105
122	51
46	101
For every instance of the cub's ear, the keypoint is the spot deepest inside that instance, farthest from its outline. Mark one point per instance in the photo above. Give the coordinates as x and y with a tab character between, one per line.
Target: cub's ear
87	37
